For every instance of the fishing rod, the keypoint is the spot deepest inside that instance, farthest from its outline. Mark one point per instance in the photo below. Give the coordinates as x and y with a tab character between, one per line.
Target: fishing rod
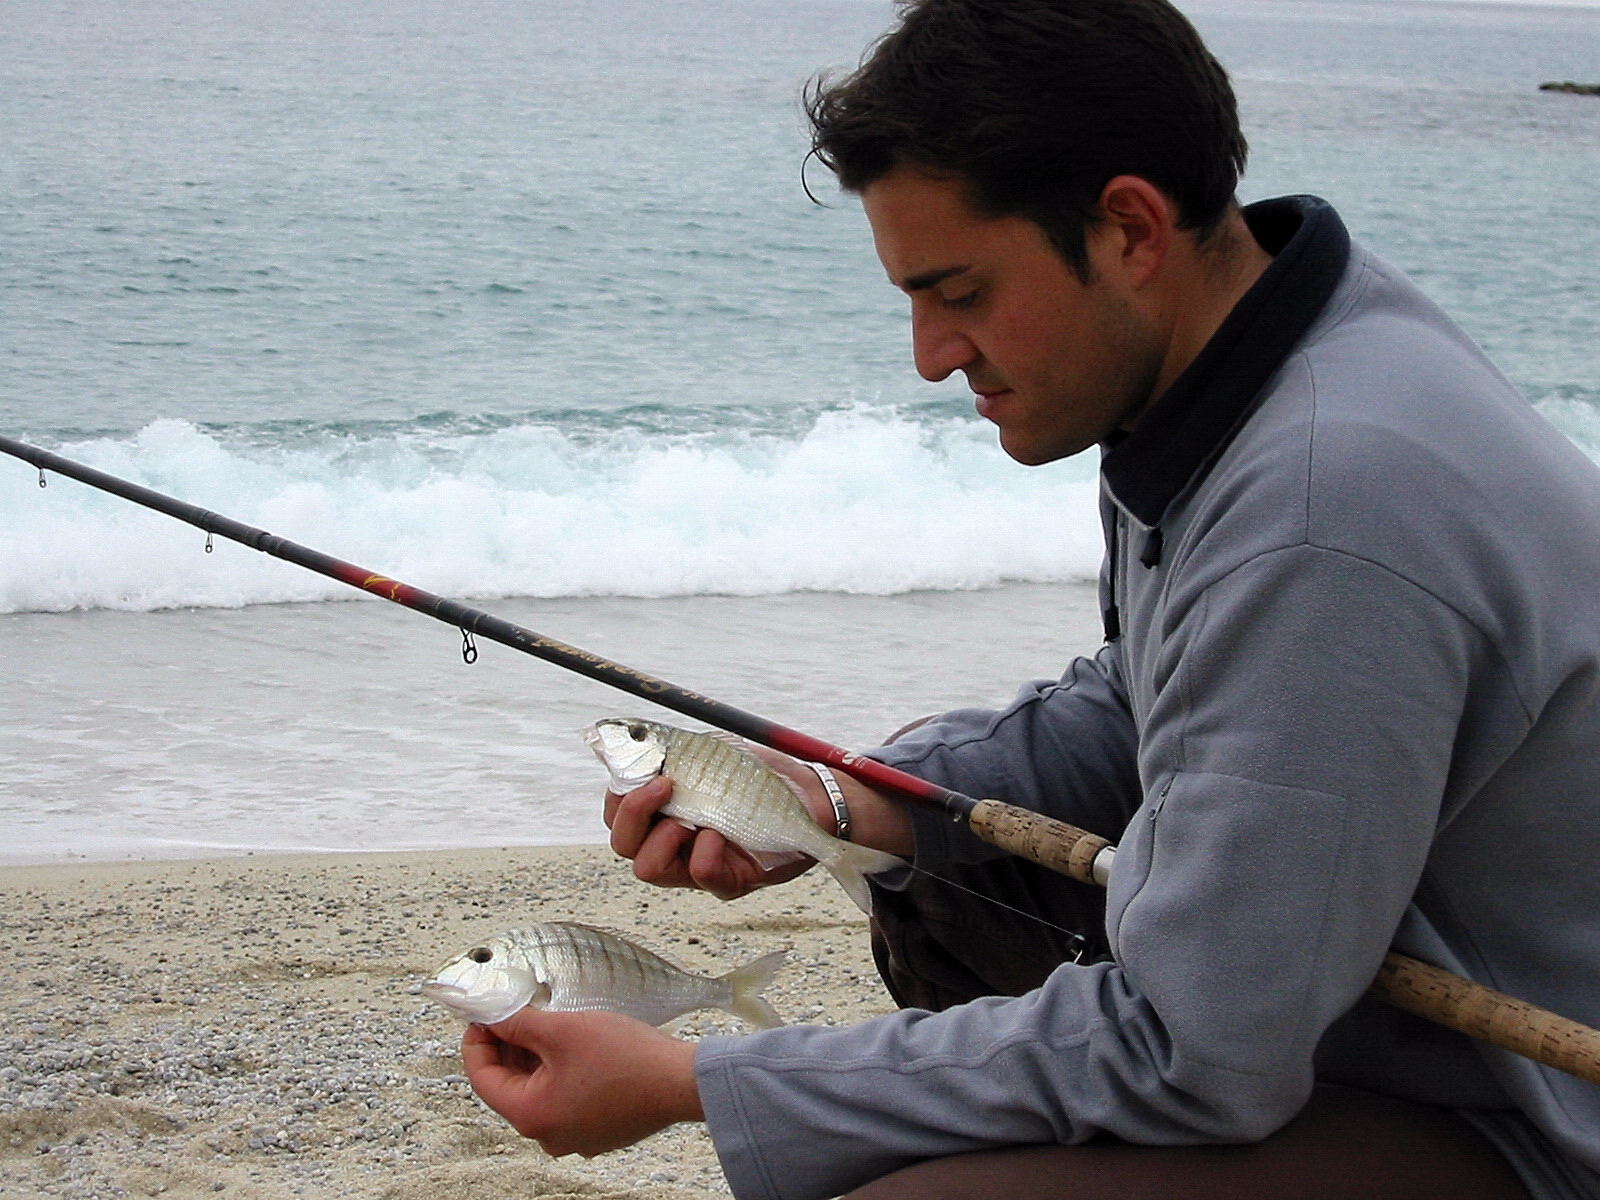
1407	983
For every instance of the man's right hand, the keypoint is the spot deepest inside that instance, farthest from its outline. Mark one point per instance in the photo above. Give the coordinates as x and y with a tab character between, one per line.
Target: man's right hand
668	854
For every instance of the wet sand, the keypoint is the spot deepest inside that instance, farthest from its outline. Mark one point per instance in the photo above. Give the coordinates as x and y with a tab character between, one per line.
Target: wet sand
251	1026
298	728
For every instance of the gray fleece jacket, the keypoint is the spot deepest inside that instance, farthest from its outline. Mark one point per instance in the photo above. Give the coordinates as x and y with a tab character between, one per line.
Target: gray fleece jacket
1350	699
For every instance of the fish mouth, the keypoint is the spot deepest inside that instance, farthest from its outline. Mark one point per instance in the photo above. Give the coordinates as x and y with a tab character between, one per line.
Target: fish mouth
485	1001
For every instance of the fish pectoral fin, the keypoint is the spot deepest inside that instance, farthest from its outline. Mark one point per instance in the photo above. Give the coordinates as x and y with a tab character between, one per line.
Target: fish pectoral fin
798	791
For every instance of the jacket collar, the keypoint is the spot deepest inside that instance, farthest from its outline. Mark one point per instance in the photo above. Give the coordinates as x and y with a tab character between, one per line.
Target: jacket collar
1186	429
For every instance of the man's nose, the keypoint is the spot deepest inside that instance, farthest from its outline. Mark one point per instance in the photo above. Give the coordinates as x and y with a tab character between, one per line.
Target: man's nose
938	348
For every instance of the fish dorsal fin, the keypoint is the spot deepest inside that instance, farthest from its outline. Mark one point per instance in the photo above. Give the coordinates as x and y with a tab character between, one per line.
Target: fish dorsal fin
730	739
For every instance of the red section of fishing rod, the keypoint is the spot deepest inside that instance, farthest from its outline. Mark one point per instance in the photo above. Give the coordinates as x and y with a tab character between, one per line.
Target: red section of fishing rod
474	621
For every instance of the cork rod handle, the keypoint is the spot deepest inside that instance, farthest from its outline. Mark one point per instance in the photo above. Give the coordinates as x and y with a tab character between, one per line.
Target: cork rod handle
1491	1016
1074	852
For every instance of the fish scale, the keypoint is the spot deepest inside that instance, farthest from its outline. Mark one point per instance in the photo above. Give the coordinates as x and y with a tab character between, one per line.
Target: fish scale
731	790
588	970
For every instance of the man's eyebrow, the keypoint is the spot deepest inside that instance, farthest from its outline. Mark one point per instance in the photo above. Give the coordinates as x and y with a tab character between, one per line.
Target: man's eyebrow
928	279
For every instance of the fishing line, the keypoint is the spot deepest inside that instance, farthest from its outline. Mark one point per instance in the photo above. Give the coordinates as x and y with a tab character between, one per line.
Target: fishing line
1078	942
1076	939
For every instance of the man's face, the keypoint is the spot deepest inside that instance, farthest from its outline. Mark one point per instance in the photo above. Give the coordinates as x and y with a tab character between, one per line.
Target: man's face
1057	364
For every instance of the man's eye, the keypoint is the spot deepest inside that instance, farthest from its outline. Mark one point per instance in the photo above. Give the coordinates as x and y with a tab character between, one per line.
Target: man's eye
964	300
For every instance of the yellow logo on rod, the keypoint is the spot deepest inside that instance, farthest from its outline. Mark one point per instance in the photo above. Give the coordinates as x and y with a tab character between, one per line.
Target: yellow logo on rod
383	586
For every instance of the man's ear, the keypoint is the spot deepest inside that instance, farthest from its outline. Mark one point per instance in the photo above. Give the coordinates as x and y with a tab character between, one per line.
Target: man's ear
1138	223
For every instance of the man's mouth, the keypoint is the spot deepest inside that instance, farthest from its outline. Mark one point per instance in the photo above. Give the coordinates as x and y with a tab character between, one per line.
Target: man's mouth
987	402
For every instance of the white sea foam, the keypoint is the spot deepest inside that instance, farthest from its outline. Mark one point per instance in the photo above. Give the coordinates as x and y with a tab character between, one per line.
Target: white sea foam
866	501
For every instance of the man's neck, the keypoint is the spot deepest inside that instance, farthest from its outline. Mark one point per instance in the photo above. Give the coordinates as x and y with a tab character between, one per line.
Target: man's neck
1208	279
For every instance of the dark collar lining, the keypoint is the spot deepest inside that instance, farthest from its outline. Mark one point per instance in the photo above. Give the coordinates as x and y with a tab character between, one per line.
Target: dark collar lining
1186	429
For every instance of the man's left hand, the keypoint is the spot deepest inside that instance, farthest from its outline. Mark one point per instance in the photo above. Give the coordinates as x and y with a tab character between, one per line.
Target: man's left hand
582	1083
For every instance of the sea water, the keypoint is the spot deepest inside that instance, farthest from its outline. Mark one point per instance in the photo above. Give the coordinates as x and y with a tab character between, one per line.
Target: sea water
526	303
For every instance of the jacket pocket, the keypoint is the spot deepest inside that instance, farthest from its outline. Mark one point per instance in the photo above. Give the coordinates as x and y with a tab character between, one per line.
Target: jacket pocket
1135	853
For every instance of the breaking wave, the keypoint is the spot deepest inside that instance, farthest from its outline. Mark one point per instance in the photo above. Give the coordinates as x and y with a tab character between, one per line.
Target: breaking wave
867	500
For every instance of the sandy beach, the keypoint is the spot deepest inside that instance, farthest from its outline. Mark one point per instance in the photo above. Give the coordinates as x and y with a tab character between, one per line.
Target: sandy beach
251	1026
204	1021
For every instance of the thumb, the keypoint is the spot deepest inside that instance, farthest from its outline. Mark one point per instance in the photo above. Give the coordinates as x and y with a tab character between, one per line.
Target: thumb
528	1027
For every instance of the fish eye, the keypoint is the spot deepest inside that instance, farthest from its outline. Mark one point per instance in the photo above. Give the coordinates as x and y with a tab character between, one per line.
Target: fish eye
481	954
638	732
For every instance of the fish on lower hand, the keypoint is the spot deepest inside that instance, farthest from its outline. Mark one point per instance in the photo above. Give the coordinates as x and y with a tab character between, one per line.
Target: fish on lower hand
564	966
717	783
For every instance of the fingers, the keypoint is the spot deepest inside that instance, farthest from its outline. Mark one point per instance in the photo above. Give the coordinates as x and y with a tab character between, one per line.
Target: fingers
630	816
639	833
511	1079
482	1049
504	1075
581	1083
718	866
523	1030
668	854
660	858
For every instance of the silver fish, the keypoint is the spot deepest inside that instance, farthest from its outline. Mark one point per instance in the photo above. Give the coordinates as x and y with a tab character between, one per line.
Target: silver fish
718	784
562	966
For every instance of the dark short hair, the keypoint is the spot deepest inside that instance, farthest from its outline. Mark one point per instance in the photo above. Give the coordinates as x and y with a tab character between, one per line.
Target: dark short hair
1037	105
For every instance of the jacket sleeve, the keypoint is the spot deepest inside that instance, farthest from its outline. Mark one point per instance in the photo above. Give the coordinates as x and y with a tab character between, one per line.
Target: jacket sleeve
1294	754
1065	747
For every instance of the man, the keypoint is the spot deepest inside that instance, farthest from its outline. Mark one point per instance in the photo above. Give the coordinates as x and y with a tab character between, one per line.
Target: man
1349	697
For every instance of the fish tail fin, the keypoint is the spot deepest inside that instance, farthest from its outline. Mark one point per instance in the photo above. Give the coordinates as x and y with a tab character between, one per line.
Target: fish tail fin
851	864
748	982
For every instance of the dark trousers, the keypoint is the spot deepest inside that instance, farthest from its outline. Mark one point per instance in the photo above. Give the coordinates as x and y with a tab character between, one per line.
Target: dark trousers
937	946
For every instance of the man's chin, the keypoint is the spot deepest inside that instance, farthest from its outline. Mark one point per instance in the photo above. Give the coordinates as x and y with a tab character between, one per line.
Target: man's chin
1031	452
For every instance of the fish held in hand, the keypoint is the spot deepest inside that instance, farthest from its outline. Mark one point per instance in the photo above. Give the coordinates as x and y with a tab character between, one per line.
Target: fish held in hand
563	966
718	784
